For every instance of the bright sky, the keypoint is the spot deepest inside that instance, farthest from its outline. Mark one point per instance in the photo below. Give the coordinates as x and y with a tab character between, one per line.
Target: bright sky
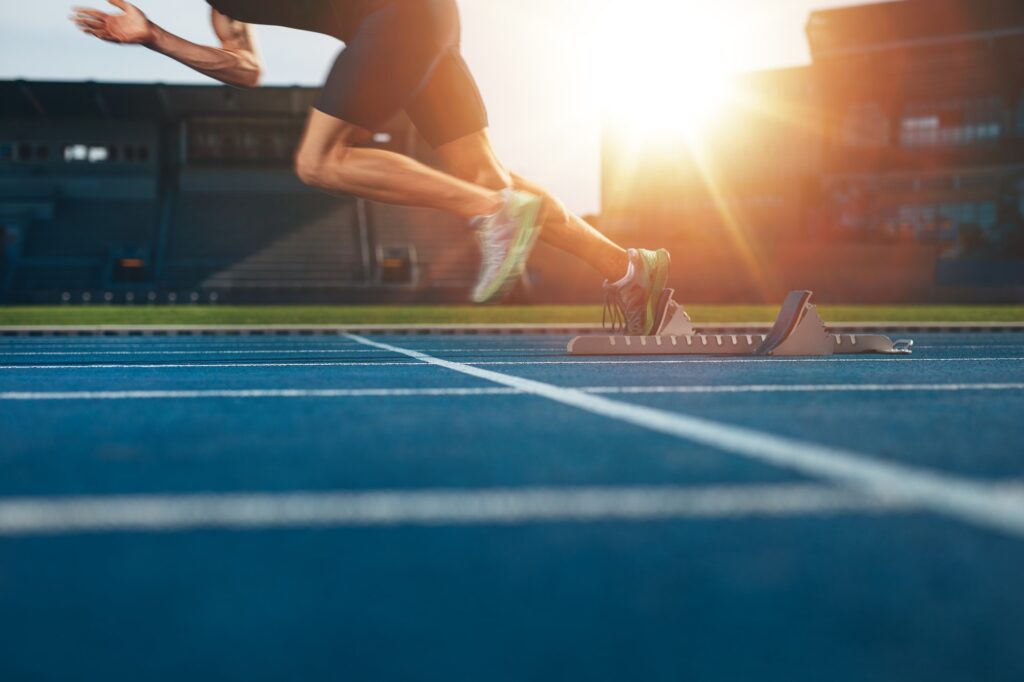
544	66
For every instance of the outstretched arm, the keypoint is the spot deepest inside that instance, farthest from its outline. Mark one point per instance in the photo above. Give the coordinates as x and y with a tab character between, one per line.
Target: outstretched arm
235	62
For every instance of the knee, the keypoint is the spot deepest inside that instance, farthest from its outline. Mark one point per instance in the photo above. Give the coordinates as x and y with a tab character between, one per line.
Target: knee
314	168
309	169
491	178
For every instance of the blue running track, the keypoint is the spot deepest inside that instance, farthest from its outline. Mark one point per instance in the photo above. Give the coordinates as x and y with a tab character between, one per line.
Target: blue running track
487	508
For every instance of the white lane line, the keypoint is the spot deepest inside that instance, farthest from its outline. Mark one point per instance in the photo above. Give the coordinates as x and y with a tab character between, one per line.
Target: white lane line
657	359
212	365
259	393
249	351
234	342
993	346
807	388
355	363
251	511
946	494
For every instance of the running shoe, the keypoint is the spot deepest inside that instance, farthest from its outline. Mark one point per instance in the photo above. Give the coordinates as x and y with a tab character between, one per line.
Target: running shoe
506	240
632	304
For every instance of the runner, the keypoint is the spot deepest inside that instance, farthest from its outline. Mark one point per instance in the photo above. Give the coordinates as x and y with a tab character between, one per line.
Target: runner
404	55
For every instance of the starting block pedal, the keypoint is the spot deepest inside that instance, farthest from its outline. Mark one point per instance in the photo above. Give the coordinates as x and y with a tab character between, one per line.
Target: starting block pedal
798	331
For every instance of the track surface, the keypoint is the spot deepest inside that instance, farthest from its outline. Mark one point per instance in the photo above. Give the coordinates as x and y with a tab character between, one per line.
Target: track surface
451	508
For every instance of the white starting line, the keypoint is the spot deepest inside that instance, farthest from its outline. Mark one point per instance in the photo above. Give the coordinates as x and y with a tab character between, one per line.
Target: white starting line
254	511
950	495
295	393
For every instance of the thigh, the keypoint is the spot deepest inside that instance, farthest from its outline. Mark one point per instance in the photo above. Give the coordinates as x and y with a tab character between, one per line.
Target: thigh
388	61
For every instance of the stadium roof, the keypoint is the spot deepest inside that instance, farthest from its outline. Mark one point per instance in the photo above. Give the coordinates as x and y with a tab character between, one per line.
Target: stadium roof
30	99
909	23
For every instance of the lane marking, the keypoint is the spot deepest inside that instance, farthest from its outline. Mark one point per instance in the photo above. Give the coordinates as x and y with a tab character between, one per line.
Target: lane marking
655	360
514	506
807	388
255	393
212	365
250	351
949	495
993	346
236	342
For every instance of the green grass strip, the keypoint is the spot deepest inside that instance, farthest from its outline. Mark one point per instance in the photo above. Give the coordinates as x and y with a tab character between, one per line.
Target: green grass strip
342	315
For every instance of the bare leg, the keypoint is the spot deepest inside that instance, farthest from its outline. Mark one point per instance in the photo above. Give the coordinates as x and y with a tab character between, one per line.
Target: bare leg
327	160
473	159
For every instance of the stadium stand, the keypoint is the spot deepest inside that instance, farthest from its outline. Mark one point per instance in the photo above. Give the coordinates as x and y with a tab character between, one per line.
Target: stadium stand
226	241
88	229
142	193
445	252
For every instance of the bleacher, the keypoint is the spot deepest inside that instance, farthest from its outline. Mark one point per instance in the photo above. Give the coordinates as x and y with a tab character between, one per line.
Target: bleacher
156	193
49	282
87	229
72	250
246	241
446	253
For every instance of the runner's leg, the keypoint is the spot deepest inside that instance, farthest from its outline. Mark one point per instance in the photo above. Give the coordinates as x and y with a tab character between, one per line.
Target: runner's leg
472	158
327	160
391	58
406	55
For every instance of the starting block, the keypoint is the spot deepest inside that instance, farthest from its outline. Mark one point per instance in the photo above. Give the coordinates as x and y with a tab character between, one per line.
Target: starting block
798	331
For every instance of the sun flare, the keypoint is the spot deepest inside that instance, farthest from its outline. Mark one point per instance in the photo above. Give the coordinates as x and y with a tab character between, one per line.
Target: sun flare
663	70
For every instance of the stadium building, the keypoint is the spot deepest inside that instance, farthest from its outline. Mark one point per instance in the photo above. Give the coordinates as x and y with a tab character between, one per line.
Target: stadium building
891	169
158	193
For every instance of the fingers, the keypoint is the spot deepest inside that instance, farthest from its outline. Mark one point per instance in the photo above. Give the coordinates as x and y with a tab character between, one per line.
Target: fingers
88	22
87	12
121	5
102	35
91	22
99	32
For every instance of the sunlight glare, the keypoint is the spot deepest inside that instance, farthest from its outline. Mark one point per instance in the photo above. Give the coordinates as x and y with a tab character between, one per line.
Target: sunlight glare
663	68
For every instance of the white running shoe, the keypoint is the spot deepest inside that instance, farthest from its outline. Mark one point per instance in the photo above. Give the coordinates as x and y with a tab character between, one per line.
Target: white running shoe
506	240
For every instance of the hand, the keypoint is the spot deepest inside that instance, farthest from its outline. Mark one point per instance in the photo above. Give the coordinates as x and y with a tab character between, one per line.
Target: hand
131	27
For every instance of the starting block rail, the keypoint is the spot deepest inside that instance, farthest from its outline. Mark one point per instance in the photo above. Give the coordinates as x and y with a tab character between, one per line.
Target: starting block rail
798	332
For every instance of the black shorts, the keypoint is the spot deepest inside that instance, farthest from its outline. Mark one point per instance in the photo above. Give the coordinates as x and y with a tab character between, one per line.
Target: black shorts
404	55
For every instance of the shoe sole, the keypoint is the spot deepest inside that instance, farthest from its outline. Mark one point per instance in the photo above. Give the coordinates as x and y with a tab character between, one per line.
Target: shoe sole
526	238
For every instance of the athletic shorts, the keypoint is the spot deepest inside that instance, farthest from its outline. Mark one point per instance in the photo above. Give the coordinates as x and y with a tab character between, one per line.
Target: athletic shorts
404	55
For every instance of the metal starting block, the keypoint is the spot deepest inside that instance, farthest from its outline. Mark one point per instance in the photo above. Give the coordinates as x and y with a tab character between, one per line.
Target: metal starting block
798	331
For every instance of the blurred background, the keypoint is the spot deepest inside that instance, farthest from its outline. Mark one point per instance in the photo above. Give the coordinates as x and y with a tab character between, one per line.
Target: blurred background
874	153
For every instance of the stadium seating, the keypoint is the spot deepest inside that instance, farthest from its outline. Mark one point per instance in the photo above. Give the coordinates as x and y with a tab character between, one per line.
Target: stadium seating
446	253
87	229
279	241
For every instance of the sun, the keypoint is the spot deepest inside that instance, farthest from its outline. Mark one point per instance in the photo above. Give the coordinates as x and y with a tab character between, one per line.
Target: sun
662	69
